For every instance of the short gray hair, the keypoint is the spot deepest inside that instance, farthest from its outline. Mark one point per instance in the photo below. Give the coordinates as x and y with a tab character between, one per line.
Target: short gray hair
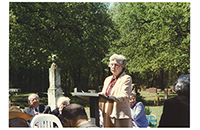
119	58
32	95
182	85
133	94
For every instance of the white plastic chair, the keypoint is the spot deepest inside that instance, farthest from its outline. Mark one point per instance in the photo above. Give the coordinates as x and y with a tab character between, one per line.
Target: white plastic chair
45	121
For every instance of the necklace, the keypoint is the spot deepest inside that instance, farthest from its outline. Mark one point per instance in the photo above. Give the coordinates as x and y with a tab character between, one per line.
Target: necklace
82	123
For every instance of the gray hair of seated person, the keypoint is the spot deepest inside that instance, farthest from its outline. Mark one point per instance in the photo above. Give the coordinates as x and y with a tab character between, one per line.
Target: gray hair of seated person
63	99
29	97
182	85
119	58
133	94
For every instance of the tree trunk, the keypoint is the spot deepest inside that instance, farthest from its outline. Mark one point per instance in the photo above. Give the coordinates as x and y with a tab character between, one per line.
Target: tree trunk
162	79
153	75
79	85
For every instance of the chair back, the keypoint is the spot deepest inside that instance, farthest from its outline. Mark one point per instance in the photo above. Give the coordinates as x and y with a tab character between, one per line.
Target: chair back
45	121
152	120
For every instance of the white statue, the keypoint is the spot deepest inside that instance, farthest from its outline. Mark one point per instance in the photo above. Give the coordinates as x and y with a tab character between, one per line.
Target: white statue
55	91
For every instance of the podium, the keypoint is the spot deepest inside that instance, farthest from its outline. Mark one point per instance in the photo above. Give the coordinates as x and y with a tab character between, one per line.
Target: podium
94	99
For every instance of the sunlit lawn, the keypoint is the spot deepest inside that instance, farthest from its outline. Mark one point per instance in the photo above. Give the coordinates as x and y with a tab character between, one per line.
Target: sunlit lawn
156	110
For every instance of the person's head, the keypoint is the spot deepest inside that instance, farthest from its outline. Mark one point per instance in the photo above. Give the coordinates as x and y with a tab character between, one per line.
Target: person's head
17	118
62	102
33	100
182	85
17	122
72	114
117	64
132	100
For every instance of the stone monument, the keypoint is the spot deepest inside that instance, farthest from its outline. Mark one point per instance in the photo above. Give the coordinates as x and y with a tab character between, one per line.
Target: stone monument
165	93
54	91
152	90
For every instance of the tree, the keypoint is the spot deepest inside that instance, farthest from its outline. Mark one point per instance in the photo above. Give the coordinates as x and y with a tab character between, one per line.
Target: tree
78	33
155	38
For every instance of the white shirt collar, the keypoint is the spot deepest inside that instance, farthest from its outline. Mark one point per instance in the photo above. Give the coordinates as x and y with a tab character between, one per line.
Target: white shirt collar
38	110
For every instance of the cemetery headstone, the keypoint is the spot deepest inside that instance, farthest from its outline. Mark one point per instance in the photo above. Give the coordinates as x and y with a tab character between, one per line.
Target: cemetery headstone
143	88
159	90
152	90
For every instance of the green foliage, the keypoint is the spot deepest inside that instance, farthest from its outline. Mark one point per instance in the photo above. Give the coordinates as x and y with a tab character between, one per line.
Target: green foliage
147	111
78	33
155	37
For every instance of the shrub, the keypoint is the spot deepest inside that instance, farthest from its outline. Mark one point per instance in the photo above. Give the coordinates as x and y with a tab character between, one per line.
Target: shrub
147	111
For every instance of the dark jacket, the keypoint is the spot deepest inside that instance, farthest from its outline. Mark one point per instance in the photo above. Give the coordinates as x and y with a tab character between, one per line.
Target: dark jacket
42	109
176	112
57	113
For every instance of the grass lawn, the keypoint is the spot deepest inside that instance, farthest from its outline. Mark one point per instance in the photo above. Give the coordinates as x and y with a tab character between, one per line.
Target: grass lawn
21	100
149	99
157	111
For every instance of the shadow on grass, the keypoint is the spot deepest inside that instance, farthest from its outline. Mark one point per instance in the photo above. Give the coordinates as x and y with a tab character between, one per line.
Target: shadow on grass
151	103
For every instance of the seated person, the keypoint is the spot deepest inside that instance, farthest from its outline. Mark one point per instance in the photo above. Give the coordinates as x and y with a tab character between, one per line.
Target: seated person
74	115
137	112
17	118
35	108
61	103
176	111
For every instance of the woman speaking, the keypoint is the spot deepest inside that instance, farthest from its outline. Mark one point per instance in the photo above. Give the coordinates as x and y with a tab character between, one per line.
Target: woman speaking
118	88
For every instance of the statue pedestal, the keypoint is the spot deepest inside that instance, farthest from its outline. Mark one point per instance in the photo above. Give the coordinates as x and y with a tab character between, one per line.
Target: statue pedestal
51	98
54	91
53	95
